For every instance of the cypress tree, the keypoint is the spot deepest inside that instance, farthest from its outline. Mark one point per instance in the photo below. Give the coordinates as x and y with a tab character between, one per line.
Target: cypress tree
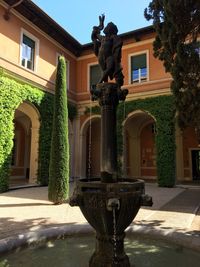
59	155
177	25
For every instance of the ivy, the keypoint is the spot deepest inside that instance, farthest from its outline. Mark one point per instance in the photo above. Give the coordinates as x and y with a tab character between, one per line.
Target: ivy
162	109
12	94
95	110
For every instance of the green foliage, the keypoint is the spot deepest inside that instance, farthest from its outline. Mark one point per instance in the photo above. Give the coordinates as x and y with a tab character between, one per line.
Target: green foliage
185	85
12	94
59	156
4	263
94	110
46	112
177	25
162	109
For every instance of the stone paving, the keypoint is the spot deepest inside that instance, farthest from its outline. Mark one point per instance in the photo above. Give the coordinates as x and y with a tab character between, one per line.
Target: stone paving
27	213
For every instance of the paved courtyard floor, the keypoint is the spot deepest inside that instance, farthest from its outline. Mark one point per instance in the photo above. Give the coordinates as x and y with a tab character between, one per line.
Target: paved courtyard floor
175	212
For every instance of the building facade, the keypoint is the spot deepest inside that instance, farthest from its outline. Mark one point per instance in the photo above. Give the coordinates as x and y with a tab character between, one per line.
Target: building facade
150	144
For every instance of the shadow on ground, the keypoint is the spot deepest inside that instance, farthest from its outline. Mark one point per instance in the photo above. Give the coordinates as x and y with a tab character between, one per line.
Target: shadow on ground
14	228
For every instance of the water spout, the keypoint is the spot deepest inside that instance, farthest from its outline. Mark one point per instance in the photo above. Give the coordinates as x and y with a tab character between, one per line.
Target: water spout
113	204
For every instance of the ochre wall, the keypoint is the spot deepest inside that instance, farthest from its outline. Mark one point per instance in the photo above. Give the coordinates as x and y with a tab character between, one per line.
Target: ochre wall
47	60
158	78
44	75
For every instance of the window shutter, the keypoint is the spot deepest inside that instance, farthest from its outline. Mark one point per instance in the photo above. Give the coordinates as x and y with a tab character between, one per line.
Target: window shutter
27	41
138	62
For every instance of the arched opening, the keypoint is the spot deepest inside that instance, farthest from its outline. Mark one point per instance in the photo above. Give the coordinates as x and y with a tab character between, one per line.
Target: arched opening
91	140
140	151
24	163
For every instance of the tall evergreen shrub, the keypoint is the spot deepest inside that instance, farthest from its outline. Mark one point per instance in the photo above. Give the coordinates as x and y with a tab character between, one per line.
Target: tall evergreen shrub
59	156
177	26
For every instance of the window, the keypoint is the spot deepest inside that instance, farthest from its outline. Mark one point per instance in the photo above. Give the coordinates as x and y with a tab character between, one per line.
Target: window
94	74
29	50
139	68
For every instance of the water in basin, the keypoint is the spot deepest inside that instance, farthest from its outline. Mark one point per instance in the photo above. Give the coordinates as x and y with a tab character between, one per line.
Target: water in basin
76	252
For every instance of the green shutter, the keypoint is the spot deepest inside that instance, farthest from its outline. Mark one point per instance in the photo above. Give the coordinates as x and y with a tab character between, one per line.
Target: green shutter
28	42
138	62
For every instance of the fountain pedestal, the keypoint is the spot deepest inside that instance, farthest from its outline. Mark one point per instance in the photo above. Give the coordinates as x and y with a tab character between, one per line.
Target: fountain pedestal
109	95
109	203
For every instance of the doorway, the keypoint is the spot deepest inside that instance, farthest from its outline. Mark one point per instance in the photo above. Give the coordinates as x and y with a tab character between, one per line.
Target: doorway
195	164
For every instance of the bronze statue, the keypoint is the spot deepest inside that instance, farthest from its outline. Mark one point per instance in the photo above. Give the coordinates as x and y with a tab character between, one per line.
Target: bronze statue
108	50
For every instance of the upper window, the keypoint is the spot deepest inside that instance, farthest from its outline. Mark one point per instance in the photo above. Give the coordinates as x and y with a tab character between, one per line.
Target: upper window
29	45
95	74
139	68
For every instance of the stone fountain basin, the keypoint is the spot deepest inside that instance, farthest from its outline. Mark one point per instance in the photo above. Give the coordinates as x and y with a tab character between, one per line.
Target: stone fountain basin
97	200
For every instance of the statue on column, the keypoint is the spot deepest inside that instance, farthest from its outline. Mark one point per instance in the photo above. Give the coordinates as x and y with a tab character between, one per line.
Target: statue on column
108	50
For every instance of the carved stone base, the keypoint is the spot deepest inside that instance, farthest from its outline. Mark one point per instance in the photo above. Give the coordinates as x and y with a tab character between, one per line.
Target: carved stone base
109	252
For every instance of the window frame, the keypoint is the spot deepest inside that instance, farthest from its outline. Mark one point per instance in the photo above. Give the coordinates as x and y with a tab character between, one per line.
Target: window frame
36	54
147	66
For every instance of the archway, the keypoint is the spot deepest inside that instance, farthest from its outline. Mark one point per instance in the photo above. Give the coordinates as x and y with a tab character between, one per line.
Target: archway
26	140
139	144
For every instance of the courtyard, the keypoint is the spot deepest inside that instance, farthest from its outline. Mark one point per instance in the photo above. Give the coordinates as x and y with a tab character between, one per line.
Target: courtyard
27	214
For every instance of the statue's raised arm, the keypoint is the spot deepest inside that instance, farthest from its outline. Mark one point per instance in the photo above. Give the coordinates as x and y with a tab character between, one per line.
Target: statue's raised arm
95	36
108	50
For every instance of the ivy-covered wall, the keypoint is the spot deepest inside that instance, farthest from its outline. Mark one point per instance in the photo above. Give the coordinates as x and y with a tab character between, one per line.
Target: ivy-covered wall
12	94
162	108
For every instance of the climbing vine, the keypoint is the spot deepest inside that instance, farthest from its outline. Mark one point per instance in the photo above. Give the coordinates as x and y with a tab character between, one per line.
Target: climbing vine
12	94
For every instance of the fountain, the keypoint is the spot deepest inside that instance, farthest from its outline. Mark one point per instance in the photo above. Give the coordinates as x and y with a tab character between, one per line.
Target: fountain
109	203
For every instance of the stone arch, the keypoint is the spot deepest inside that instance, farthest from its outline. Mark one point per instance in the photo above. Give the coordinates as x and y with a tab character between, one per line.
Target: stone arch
28	116
95	144
137	125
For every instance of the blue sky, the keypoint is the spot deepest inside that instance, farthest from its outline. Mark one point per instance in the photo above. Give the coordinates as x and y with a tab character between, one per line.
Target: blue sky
78	17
